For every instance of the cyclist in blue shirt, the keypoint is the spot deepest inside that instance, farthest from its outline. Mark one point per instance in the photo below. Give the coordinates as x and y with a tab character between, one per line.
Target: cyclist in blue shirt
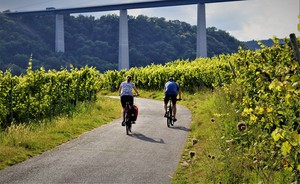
171	90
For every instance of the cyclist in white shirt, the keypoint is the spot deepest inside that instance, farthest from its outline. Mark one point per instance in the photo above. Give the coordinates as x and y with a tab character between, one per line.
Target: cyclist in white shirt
125	91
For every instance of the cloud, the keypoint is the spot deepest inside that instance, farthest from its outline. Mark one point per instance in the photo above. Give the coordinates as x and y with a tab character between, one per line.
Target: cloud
257	19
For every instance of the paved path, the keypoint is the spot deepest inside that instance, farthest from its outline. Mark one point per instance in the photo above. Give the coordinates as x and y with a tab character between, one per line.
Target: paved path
107	155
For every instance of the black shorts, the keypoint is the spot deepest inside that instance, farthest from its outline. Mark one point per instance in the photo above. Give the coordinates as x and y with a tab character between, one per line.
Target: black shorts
173	98
126	98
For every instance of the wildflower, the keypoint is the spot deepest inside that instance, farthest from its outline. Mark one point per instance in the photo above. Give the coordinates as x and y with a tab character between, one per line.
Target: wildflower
241	126
195	141
192	154
228	141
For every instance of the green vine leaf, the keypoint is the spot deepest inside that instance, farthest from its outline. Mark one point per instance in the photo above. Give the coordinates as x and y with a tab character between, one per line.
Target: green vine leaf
276	134
286	148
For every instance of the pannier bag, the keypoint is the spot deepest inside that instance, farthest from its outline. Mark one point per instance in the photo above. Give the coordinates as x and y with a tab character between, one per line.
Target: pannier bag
134	113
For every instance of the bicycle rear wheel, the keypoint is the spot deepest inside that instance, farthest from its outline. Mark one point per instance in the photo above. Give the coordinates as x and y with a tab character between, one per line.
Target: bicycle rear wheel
169	117
127	122
128	127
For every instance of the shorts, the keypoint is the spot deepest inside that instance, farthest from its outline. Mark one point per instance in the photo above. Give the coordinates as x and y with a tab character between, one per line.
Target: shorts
126	98
173	98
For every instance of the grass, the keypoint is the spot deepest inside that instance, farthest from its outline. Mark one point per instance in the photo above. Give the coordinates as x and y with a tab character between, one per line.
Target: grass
20	142
210	155
202	160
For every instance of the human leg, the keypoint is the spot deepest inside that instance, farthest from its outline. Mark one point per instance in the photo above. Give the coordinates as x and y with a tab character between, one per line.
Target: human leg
123	114
174	112
173	98
123	103
166	99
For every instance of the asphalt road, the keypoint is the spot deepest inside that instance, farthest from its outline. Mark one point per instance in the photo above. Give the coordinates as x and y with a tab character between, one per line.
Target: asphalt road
107	155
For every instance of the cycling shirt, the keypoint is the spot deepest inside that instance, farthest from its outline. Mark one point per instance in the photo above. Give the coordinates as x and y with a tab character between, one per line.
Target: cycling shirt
171	88
127	88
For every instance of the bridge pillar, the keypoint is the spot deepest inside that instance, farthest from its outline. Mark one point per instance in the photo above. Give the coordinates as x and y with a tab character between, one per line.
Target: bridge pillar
123	41
201	32
59	34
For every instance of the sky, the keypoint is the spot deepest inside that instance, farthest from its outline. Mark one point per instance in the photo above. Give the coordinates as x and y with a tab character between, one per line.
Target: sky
245	20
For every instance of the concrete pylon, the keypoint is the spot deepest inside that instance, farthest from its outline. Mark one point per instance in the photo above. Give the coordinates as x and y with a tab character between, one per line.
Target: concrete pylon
201	32
123	41
59	34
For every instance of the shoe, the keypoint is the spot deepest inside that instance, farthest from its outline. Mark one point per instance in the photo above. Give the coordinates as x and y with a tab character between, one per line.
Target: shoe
133	122
123	123
166	114
174	119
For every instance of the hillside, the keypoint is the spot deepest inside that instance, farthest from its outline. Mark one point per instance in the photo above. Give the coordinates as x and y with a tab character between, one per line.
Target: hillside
253	44
94	42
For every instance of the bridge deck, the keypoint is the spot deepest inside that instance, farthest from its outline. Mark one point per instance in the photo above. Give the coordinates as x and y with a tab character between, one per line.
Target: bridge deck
112	7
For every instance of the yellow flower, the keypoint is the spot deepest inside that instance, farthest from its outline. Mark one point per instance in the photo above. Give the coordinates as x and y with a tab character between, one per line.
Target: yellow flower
253	118
247	111
269	109
259	110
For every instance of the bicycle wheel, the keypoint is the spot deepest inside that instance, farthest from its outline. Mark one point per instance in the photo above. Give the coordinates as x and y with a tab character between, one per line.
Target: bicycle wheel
169	117
127	122
128	127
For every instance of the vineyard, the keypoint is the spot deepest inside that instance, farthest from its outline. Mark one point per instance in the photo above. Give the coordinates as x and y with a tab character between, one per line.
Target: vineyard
42	95
262	85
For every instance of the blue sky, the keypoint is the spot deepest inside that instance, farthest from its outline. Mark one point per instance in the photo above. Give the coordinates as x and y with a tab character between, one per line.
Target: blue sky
245	20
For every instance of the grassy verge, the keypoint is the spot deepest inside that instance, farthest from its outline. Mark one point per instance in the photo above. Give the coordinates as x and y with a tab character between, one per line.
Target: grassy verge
210	154
20	142
203	159
199	161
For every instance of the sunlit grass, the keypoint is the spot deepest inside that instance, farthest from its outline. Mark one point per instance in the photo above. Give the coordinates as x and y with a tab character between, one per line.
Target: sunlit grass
202	159
20	142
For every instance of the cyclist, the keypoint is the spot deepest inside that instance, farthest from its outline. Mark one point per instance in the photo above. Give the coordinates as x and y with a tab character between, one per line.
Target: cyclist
125	91
171	90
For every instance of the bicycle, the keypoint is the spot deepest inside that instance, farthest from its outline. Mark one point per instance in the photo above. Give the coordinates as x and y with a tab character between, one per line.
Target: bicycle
129	117
169	113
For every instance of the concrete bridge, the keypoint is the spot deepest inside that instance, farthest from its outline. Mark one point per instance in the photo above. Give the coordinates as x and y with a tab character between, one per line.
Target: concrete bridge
123	22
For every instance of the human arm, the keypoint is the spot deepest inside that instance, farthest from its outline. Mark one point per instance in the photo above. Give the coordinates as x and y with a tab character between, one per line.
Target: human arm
180	94
136	91
120	89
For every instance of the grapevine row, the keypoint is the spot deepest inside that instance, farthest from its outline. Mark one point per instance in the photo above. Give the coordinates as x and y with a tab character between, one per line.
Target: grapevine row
266	93
40	94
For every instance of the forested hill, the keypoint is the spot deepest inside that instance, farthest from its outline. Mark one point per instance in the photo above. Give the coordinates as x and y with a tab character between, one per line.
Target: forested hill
94	42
